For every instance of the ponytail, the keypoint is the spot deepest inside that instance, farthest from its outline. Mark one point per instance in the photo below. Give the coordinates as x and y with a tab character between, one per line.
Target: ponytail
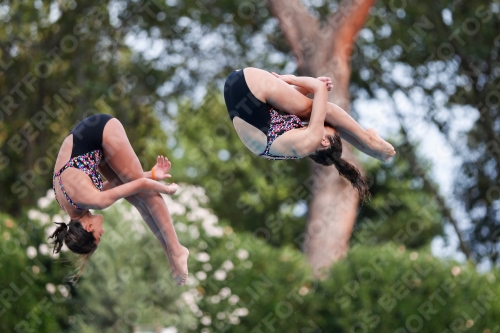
59	235
78	240
332	156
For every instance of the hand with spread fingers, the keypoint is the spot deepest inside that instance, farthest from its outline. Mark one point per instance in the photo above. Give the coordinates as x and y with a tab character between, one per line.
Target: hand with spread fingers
162	167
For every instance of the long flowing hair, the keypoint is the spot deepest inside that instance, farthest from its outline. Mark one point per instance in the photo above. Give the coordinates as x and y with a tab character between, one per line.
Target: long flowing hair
331	155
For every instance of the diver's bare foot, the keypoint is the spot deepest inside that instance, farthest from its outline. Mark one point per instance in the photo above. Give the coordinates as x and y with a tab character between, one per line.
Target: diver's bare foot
178	265
382	150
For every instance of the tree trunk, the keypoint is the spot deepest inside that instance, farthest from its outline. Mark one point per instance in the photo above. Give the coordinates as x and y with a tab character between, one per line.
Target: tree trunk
325	50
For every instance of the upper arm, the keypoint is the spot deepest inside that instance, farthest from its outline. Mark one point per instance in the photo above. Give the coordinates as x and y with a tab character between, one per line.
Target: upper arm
302	90
97	199
306	142
309	139
318	111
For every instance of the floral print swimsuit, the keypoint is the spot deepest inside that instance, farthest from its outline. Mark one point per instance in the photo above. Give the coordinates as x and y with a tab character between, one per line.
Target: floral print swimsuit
280	124
242	103
87	163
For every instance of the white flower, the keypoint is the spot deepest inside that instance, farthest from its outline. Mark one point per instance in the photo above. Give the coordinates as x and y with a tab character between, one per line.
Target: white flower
62	289
241	312
50	195
225	292
191	281
39	216
227	265
44	249
206	320
233	299
33	214
57	218
242	254
190	301
44	202
220	275
181	227
31	252
201	275
50	288
203	257
194	232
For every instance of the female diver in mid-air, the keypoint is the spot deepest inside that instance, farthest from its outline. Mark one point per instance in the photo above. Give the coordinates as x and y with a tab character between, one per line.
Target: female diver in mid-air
97	145
254	98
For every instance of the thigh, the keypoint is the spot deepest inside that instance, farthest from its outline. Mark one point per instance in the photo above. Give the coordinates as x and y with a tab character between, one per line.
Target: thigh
108	173
279	94
119	154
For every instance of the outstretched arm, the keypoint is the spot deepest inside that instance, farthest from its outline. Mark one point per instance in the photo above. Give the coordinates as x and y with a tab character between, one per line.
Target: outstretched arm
104	199
161	169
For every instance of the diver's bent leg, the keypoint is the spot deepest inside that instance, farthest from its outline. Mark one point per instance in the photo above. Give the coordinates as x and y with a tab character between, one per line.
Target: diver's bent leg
112	181
366	141
122	159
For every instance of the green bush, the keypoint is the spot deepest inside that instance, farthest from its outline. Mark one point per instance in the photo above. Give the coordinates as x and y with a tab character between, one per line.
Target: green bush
237	283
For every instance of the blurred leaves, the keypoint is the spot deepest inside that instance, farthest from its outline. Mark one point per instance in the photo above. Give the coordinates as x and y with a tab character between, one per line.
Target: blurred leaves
237	282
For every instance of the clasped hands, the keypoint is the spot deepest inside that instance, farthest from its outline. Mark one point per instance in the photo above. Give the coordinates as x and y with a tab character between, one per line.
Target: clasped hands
288	78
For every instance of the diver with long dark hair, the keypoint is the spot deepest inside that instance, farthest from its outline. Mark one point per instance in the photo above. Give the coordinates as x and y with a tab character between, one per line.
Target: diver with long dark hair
269	112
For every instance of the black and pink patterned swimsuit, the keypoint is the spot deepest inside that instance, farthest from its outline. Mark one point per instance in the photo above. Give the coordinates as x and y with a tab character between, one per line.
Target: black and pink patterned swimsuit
86	163
240	102
87	153
280	124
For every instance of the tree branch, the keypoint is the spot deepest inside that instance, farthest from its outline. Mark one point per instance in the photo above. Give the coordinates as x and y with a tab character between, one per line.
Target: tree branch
297	24
348	20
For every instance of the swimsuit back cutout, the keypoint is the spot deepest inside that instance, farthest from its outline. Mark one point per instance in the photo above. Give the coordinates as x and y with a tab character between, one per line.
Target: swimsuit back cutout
86	163
280	124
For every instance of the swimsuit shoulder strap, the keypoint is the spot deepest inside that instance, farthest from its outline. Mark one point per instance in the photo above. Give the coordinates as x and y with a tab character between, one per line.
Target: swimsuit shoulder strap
69	164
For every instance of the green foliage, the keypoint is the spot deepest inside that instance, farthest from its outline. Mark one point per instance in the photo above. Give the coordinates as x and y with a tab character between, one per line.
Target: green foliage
440	57
55	73
237	282
401	210
33	292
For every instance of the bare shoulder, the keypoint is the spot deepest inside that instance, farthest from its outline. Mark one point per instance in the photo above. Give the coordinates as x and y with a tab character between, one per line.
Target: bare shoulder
251	137
64	154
